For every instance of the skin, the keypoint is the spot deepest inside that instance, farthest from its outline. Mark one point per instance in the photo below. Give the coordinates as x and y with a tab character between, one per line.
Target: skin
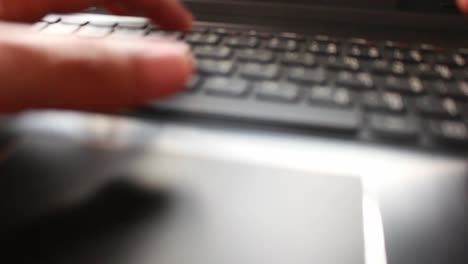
97	75
67	72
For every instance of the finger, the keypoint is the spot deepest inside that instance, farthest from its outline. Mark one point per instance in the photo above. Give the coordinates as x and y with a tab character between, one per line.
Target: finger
463	5
29	11
170	14
71	73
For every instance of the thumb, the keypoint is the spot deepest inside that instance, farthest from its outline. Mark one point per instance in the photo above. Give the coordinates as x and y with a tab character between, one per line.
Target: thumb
39	71
463	5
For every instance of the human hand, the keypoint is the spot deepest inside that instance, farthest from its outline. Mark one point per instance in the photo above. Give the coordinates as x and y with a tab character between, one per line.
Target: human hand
67	72
463	5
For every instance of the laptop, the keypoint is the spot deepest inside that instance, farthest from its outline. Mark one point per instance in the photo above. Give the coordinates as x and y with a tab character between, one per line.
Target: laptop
379	71
313	132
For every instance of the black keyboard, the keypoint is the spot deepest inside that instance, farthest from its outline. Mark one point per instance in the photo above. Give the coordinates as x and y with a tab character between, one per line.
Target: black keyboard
372	90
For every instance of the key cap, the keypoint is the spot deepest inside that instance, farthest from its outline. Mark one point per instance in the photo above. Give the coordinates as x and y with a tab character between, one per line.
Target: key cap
331	49
156	34
127	33
452	60
276	91
89	31
79	20
438	107
259	71
51	19
307	75
292	36
359	80
200	29
386	67
444	72
199	38
255	55
385	102
299	59
448	132
134	23
411	56
242	42
60	29
338	97
451	89
215	67
194	84
392	126
259	34
215	52
221	86
364	52
342	63
412	85
425	71
282	44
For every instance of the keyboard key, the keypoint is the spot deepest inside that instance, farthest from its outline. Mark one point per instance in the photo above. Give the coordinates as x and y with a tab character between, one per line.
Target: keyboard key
255	55
364	52
326	39
444	72
89	31
452	60
307	75
215	67
387	67
200	29
155	34
359	80
242	42
316	47
339	97
282	44
412	85
299	59
127	33
425	71
385	102
392	126
199	38
438	107
447	131
60	29
194	84
342	63
451	89
276	91
215	52
79	20
411	56
51	19
134	23
259	71
221	86
259	34
292	36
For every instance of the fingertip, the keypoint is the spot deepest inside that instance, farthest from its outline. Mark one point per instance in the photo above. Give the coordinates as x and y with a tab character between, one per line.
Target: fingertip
167	68
463	5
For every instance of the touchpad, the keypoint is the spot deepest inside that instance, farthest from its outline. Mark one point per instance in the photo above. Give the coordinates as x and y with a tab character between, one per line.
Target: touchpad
258	215
212	213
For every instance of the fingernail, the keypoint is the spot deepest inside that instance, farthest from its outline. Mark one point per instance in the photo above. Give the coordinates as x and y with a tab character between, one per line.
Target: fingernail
167	68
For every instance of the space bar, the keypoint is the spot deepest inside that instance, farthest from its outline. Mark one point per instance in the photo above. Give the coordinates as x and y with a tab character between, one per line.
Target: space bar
276	113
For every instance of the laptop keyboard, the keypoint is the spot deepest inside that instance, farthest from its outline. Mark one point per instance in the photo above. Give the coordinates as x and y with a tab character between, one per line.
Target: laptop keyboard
372	90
